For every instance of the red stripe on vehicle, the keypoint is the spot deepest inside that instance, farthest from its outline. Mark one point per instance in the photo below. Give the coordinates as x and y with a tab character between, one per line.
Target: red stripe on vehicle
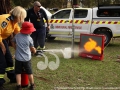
81	21
103	22
97	22
87	22
51	21
115	22
56	21
61	21
109	22
71	21
76	21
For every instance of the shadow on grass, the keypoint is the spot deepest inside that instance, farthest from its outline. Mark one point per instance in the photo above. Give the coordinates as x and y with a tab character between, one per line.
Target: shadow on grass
113	45
62	41
85	59
116	42
43	79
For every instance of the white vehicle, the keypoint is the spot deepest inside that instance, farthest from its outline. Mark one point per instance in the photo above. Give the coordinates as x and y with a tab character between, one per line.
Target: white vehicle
103	20
47	12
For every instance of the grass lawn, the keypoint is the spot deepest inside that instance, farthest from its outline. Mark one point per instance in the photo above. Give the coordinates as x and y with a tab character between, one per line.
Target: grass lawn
77	73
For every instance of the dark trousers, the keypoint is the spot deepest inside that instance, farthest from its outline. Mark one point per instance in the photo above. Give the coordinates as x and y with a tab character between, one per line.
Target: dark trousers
39	37
5	62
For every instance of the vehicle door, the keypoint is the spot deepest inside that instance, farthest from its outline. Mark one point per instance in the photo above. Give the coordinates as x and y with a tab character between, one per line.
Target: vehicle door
59	22
82	21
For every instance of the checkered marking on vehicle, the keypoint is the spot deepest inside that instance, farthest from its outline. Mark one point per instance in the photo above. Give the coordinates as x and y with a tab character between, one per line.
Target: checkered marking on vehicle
84	22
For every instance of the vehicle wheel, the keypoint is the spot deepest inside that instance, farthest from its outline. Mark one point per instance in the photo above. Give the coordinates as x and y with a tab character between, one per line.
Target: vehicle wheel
107	37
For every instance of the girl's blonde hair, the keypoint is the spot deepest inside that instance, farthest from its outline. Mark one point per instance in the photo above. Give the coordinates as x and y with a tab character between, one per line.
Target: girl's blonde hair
19	13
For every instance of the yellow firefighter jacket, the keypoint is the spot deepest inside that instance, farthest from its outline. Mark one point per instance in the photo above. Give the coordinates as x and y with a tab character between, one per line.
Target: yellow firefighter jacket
7	26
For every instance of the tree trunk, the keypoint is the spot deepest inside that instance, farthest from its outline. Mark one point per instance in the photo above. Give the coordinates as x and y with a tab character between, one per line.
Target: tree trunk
4	6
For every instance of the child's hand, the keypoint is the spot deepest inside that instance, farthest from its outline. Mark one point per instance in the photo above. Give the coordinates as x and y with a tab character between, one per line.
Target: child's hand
33	50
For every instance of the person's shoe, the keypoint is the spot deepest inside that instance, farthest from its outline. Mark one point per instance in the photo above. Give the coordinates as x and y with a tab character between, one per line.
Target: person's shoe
39	54
18	87
32	87
43	50
3	88
39	48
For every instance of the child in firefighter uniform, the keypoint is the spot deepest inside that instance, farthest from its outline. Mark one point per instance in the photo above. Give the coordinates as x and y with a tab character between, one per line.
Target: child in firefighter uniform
23	45
8	26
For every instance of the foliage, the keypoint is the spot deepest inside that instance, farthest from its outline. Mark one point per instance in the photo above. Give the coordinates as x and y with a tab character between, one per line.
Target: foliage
4	6
63	3
23	3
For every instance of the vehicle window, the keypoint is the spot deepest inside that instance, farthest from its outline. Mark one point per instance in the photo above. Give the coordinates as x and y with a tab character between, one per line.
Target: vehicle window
108	13
62	14
80	13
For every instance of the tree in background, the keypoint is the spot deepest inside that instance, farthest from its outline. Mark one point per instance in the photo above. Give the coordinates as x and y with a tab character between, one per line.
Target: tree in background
4	6
23	3
61	3
45	3
116	1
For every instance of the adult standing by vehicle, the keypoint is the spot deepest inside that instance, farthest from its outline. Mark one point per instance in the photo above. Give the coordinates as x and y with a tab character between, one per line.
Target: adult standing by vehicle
9	25
36	15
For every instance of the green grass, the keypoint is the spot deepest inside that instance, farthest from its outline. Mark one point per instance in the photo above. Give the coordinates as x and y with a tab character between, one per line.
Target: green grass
77	72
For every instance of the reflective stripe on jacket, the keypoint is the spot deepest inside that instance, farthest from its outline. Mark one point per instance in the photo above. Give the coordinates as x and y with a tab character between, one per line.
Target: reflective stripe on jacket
7	26
9	68
2	75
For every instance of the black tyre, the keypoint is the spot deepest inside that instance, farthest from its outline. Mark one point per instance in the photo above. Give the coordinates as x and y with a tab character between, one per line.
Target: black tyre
48	36
51	38
107	36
